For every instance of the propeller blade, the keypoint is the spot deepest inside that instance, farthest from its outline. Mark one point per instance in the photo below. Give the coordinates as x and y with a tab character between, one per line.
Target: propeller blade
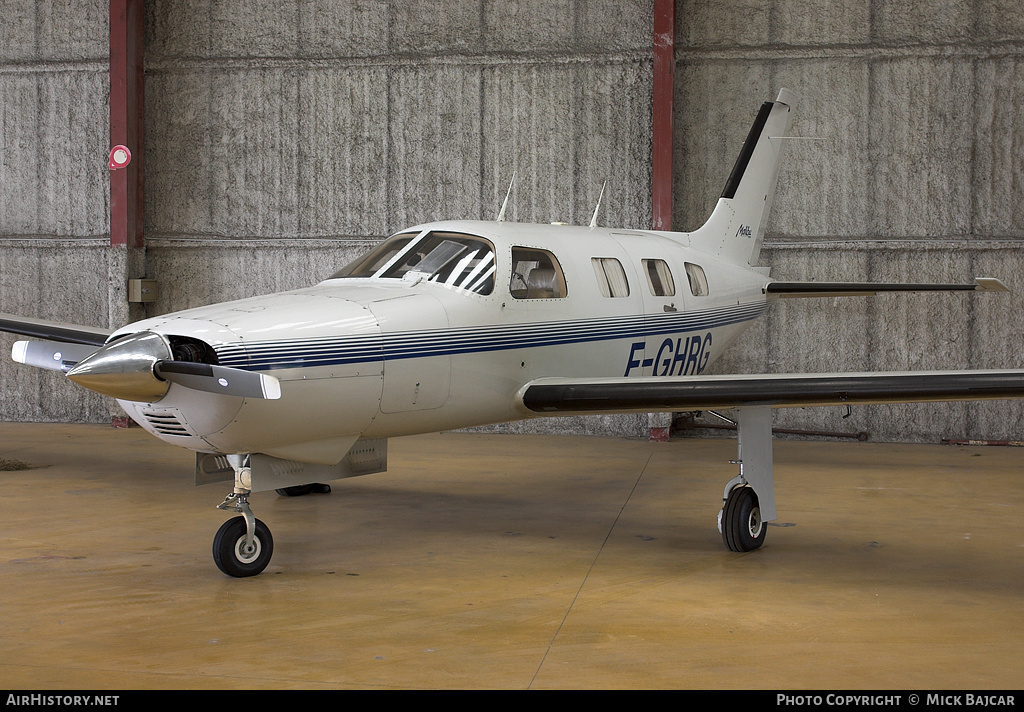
50	355
219	379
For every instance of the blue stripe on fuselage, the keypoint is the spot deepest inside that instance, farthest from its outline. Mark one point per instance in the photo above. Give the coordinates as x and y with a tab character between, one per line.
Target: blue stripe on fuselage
337	350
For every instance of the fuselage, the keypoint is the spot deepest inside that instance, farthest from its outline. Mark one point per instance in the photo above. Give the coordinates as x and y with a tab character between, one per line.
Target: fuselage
442	325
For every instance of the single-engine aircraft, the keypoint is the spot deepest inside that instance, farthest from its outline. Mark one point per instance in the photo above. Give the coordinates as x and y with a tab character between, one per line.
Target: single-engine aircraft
462	323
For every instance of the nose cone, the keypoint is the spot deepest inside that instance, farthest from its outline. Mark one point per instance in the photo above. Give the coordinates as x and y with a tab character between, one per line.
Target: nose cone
123	369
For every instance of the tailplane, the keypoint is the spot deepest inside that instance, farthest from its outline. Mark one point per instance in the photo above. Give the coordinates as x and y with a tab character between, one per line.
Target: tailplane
736	228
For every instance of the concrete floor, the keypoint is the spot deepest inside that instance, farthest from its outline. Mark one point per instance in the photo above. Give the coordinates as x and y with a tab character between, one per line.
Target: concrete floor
498	561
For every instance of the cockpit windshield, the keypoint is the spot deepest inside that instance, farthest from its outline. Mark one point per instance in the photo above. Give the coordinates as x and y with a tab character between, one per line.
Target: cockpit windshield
450	258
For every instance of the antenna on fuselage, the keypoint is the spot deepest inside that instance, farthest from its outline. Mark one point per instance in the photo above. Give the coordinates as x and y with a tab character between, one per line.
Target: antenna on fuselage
504	204
593	220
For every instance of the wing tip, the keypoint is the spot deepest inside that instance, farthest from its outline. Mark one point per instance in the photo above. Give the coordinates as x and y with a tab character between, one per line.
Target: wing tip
989	284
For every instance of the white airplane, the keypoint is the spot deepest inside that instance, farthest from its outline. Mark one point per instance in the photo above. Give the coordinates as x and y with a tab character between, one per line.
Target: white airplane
462	323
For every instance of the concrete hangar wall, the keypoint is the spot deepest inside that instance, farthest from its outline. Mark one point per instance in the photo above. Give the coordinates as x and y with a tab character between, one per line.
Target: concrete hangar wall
282	138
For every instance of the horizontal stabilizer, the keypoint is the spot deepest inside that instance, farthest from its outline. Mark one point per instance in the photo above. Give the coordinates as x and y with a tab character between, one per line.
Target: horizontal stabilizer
54	331
50	355
790	290
651	394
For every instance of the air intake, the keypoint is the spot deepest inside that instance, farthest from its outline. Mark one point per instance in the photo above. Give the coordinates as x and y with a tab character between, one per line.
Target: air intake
166	423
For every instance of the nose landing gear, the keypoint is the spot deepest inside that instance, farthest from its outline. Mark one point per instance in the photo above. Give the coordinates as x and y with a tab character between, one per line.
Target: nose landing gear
243	545
239	555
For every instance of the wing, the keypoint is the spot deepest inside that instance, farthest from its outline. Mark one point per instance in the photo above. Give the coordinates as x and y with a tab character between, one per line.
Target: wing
550	396
54	331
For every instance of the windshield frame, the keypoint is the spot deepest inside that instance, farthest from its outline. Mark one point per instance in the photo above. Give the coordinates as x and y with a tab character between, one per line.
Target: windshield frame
472	268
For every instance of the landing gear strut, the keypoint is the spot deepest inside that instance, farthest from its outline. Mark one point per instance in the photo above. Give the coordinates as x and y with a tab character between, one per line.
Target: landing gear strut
243	545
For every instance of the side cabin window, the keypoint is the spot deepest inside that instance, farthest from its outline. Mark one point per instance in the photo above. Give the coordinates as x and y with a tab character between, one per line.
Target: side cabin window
698	282
611	278
659	278
536	274
450	258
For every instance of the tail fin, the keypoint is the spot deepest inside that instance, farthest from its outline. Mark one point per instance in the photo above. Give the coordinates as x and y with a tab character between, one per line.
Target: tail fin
736	228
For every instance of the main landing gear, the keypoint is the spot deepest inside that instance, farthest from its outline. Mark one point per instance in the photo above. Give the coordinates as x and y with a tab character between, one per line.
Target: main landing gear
748	503
303	490
243	545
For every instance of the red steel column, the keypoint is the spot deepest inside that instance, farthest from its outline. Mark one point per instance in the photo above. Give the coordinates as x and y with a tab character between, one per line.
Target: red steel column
664	86
661	155
126	121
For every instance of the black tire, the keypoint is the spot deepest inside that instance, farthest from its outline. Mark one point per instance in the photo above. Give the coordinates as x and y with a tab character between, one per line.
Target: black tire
300	490
296	491
742	526
227	548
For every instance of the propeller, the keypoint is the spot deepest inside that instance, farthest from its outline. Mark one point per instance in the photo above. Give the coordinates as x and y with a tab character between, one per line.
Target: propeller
219	379
141	368
49	355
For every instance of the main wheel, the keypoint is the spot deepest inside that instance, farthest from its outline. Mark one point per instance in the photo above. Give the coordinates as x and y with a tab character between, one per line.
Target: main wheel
295	491
301	490
742	526
231	555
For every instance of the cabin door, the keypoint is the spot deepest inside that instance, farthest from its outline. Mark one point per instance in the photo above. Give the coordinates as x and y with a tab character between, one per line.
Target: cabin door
417	369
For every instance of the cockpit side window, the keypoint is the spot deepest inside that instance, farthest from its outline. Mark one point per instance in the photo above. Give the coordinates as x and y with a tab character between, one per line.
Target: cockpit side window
450	258
536	274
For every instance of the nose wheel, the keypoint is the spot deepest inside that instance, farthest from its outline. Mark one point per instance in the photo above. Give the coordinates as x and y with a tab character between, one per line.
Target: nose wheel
243	545
237	557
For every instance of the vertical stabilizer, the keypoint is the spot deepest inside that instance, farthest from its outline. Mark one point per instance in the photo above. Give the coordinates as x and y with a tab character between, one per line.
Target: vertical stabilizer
736	228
